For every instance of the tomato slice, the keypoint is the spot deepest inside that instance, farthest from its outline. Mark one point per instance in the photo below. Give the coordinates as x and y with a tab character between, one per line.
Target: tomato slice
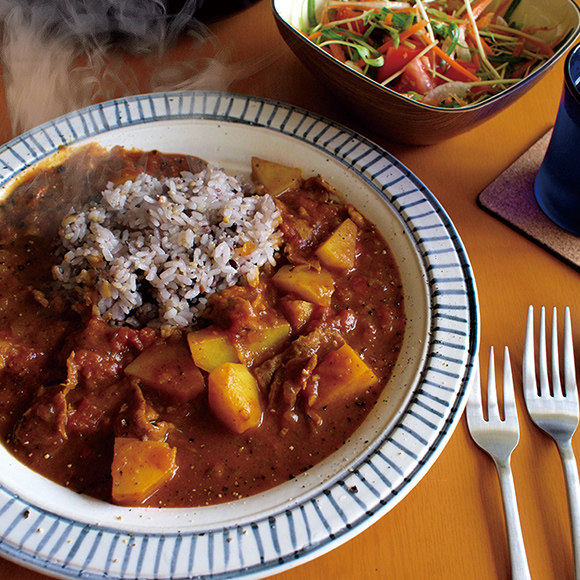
358	26
417	78
395	60
456	75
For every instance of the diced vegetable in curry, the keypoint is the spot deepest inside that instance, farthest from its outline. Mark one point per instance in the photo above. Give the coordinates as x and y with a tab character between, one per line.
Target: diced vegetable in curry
139	469
273	377
234	397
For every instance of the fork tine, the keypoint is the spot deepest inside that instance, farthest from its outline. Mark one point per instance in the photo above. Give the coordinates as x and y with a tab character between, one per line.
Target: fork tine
556	383
474	404
544	382
498	438
529	361
556	413
570	388
492	407
509	399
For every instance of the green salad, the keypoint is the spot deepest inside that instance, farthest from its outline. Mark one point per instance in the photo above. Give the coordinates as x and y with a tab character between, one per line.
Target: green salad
447	53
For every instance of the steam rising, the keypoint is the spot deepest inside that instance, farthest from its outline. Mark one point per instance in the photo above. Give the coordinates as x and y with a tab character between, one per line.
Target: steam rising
61	55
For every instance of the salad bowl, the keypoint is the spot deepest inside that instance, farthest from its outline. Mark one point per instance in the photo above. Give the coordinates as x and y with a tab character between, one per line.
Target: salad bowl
400	118
52	529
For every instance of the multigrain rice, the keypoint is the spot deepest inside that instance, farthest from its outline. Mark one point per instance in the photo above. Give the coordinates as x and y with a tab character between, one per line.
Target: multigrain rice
152	250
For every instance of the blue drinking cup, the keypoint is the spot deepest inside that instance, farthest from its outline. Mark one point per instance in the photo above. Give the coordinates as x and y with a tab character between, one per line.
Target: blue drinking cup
557	183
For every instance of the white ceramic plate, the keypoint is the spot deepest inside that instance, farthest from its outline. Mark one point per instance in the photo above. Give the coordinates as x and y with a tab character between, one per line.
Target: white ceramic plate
49	528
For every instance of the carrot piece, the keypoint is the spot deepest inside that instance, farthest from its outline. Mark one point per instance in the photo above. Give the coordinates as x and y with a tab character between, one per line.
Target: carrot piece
485	20
518	49
524	69
548	50
454	64
337	51
417	27
500	10
479	8
486	48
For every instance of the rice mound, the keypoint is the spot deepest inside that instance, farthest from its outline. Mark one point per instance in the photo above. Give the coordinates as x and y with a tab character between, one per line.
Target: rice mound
151	251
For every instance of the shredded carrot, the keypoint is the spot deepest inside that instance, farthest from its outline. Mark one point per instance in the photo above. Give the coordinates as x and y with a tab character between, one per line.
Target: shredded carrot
526	36
403	9
477	10
486	48
524	70
337	52
518	48
503	7
417	27
485	20
425	27
549	51
454	64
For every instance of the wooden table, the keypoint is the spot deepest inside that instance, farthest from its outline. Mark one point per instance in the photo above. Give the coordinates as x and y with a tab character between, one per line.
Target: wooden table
451	524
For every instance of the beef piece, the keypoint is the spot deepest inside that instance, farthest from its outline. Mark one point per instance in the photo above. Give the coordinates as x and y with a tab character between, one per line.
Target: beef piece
138	419
43	425
283	377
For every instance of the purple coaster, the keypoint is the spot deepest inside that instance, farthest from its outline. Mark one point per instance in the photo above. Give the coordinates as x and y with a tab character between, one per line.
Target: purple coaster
511	199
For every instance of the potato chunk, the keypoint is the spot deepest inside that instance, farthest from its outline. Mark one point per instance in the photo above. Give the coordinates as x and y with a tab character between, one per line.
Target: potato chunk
140	468
170	370
342	375
308	283
298	312
275	178
339	250
234	397
210	347
257	345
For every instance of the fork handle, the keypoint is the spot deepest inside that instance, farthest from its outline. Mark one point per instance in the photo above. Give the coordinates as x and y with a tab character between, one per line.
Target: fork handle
573	490
519	562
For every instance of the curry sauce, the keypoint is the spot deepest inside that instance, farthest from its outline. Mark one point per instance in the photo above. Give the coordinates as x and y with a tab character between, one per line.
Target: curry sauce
68	391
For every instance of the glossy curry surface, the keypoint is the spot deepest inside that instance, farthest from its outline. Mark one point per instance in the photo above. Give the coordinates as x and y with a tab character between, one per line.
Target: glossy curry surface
67	396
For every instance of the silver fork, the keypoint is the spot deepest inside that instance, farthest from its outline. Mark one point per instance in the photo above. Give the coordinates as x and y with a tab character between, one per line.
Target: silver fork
499	437
555	410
